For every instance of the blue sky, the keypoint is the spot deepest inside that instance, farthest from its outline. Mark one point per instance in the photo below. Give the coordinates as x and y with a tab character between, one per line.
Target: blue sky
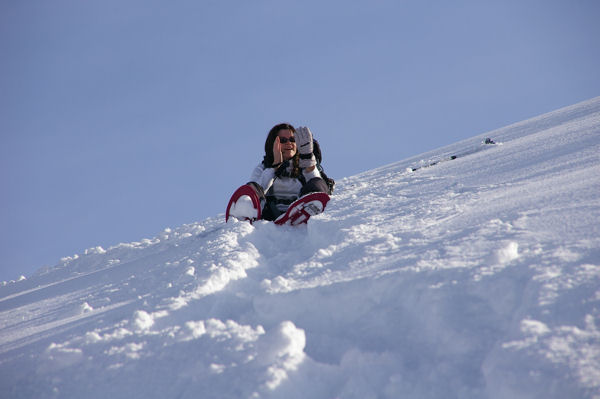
121	118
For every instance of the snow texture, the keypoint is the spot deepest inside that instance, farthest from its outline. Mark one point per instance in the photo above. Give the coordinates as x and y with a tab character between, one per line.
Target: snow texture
477	277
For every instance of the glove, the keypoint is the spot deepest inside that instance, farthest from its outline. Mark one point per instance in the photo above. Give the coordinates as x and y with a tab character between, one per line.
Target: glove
304	141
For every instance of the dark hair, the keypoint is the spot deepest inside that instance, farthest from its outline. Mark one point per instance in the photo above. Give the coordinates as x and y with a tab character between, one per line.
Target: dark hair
268	159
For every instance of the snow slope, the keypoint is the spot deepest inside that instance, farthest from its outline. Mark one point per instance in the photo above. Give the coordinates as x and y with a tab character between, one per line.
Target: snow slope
478	277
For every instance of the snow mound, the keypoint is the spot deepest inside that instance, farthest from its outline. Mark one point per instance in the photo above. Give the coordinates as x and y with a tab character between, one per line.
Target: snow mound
472	271
243	208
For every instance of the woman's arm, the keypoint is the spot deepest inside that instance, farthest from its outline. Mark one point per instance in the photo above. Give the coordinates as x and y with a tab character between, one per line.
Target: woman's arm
263	176
311	173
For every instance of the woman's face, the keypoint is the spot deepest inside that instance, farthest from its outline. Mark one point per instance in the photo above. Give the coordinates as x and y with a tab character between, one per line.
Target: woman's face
288	149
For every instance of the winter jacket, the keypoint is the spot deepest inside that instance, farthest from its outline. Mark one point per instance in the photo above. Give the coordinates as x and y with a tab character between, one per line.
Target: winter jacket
282	188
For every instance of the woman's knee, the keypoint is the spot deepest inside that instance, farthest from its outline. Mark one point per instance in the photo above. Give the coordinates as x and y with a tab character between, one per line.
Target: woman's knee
314	185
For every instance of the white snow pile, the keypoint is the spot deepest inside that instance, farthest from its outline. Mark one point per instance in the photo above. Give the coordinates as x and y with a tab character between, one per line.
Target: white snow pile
476	277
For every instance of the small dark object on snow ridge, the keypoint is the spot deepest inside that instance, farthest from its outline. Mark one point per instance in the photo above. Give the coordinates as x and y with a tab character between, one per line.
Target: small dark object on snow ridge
451	157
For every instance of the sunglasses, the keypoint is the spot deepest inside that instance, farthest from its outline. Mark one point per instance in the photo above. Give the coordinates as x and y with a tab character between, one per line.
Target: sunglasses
284	140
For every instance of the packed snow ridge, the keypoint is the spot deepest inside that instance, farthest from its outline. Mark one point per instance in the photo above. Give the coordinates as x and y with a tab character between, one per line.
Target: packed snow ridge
476	277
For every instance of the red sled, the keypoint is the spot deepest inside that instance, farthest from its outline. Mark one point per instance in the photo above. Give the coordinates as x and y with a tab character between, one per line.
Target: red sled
244	205
303	208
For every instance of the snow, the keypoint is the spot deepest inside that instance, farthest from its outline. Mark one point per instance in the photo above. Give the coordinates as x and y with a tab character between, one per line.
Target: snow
243	208
477	277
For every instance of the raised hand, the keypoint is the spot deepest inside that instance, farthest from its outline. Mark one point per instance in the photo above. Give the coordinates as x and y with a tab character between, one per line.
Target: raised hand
277	156
304	141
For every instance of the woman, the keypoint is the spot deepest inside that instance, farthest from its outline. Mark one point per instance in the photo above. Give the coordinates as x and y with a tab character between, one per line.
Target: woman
288	170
